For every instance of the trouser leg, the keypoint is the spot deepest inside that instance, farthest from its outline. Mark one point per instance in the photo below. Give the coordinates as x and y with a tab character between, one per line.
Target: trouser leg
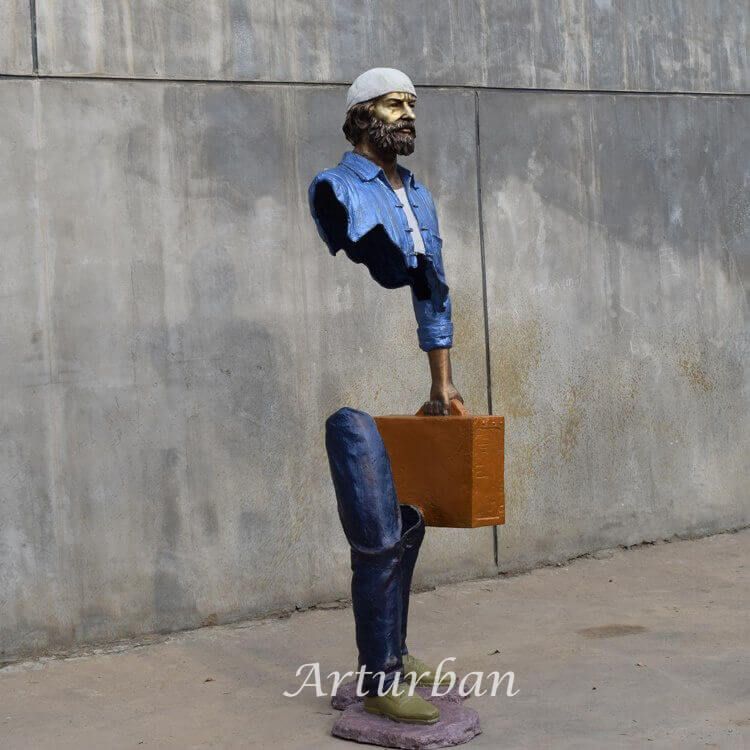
371	519
412	524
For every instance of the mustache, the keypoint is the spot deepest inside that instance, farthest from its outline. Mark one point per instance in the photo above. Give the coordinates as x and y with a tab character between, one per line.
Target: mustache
399	125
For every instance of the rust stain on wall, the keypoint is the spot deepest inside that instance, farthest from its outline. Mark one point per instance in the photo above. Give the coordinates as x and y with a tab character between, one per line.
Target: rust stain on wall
521	473
572	424
519	354
695	375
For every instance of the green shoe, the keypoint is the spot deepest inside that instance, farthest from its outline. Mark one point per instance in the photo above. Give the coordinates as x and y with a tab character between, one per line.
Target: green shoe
410	709
424	675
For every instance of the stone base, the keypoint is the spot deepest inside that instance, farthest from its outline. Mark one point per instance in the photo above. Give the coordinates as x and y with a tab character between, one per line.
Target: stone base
347	696
457	724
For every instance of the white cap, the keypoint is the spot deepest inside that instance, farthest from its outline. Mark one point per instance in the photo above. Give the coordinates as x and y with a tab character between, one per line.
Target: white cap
376	82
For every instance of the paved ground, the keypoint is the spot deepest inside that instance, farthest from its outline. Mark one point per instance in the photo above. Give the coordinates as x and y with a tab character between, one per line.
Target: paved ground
648	648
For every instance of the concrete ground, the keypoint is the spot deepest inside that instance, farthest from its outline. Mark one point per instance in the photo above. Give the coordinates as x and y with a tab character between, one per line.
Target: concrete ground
647	647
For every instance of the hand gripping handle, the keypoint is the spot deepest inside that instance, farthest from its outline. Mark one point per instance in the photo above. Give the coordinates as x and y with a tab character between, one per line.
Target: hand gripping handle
457	409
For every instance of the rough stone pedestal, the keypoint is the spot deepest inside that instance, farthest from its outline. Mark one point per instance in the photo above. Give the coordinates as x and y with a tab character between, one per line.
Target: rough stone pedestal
457	724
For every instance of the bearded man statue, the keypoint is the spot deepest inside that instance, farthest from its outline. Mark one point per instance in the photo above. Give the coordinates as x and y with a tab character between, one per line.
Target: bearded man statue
374	209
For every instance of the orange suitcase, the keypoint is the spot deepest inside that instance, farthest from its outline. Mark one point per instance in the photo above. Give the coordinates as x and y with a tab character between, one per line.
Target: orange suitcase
450	467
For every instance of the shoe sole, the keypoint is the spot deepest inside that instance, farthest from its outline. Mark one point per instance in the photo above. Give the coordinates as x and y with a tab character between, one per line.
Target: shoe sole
376	712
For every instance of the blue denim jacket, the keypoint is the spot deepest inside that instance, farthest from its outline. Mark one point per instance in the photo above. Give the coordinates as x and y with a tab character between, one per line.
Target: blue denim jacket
356	209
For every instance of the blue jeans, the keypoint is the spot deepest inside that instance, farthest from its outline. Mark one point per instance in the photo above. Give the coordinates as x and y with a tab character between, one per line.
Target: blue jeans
384	538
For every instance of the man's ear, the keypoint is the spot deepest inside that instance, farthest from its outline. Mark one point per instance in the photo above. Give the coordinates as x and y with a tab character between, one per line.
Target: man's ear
362	123
365	115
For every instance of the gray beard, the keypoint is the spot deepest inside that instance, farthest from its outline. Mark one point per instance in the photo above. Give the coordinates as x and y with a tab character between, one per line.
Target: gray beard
388	138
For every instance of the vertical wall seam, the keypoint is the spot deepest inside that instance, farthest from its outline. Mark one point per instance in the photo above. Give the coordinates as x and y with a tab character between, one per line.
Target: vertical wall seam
34	50
480	216
482	253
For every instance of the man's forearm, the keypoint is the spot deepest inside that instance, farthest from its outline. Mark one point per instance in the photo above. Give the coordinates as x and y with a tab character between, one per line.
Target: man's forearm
440	366
442	390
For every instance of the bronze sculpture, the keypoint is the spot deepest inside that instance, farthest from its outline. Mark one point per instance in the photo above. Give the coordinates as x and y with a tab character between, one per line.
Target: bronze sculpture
380	215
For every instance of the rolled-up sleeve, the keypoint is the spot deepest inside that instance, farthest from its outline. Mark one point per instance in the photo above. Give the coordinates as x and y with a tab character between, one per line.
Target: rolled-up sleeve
434	329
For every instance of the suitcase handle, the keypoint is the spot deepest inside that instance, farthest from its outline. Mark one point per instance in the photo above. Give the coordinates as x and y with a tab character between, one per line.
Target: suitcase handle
457	409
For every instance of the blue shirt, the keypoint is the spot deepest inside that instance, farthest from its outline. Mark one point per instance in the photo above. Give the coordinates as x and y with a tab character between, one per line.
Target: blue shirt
356	209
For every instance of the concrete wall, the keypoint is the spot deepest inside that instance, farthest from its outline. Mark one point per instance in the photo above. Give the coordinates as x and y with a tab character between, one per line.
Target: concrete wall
15	37
617	234
573	44
174	332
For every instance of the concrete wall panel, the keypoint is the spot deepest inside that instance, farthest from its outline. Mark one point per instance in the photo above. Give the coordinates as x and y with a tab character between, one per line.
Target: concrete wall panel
199	335
15	38
572	44
617	244
28	504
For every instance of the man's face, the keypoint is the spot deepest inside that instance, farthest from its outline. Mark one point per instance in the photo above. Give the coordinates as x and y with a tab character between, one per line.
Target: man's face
392	128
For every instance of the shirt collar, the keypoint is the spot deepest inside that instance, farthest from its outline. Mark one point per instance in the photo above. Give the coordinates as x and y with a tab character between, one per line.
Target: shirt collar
367	170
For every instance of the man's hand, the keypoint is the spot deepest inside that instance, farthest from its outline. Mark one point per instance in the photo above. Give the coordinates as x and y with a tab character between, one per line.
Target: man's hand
441	396
442	391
